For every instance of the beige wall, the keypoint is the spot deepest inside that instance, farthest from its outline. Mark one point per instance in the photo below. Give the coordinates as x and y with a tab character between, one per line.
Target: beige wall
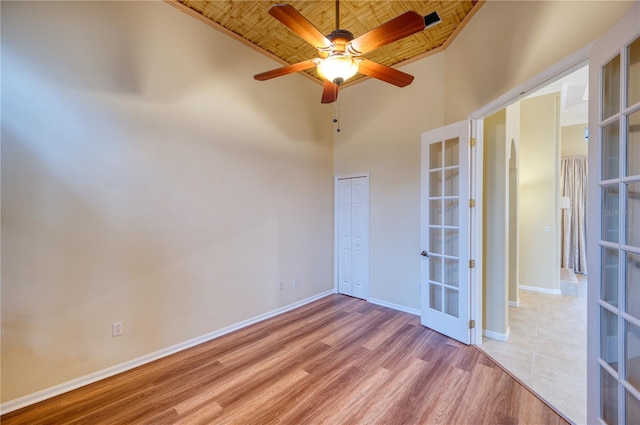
146	177
509	42
495	225
539	192
572	141
513	149
380	134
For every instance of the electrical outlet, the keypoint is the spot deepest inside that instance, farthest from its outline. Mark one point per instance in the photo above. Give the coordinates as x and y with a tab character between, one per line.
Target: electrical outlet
117	329
281	286
296	281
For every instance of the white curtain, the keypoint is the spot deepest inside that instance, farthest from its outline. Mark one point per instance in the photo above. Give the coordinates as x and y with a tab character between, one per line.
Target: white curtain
573	185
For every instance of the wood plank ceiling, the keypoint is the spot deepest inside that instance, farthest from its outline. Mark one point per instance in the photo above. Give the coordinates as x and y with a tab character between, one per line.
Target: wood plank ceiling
250	23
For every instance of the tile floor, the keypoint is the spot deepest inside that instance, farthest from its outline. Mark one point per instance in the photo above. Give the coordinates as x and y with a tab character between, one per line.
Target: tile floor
547	348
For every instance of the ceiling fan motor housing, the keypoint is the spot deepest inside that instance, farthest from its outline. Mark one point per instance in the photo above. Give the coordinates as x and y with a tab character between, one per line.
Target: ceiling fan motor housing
339	40
338	33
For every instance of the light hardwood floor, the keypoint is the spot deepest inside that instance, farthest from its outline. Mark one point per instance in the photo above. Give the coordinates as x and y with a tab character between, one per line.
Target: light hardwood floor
338	360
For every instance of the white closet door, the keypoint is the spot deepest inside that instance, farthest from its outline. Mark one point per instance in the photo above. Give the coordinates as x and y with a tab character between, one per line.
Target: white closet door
353	236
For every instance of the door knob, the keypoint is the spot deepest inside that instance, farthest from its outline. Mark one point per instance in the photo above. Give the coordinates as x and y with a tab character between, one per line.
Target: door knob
424	253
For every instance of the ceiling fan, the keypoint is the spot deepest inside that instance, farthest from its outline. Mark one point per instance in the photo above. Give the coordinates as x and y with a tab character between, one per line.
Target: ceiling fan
341	54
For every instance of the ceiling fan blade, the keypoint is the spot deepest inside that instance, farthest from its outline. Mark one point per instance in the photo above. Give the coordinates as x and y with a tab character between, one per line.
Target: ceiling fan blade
384	73
329	92
288	69
400	27
289	16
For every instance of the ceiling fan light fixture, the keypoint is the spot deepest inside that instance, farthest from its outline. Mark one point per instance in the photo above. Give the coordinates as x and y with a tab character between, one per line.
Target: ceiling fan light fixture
338	68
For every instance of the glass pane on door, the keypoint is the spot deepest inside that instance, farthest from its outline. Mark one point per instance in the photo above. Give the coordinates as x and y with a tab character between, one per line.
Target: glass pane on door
632	214
435	183
435	240
451	182
435	296
632	285
611	88
435	156
435	211
632	355
633	144
609	276
611	213
435	268
451	274
608	397
451	242
609	340
632	413
451	154
451	212
633	72
451	302
610	151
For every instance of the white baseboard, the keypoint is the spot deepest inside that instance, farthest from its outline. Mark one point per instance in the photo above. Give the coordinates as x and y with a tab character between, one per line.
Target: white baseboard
497	335
539	289
398	307
47	393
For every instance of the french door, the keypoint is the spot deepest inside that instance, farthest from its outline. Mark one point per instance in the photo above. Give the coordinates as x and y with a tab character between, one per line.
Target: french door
614	224
444	231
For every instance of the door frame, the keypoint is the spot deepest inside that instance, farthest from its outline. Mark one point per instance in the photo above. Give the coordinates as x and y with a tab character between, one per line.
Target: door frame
335	228
476	235
562	68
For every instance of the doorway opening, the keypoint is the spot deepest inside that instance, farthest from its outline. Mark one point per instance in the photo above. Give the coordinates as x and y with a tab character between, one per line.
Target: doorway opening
535	317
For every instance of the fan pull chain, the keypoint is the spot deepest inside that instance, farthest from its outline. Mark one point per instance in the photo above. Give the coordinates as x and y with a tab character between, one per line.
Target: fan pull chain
336	116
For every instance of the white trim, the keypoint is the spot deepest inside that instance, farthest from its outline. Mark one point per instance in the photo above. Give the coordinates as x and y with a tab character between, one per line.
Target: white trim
351	176
476	234
541	290
497	335
515	303
50	392
414	311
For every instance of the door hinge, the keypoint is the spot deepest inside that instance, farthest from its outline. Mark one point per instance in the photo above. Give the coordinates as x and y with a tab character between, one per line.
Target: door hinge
472	263
472	324
472	142
472	203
